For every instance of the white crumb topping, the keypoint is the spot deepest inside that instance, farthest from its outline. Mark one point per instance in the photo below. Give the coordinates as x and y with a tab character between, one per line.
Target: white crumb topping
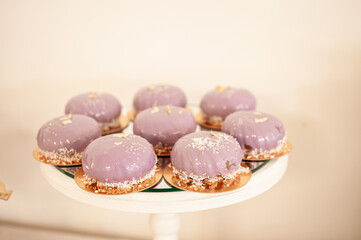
211	142
106	126
61	155
124	185
135	148
199	179
254	153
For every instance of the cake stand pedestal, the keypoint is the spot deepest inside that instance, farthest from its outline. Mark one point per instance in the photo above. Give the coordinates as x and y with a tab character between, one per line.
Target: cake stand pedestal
166	206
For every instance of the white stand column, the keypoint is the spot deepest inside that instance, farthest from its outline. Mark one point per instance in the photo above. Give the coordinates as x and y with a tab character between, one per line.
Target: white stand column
165	225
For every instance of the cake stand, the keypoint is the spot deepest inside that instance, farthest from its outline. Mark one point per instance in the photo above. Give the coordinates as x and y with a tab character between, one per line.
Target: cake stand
165	207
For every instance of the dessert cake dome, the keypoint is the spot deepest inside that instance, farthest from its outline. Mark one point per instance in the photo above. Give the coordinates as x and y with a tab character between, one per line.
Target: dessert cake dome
62	140
158	95
217	104
260	135
119	161
206	158
163	126
103	107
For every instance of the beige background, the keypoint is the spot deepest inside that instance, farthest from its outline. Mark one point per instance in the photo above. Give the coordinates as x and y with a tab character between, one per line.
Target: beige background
302	59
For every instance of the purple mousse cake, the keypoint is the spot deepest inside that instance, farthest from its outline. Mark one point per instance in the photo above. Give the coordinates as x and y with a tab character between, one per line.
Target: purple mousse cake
119	161
260	135
158	95
163	126
62	140
207	158
103	107
217	104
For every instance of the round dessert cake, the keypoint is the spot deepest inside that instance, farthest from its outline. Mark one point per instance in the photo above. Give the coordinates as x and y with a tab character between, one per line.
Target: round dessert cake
260	135
118	163
206	159
158	95
217	104
103	107
62	140
163	126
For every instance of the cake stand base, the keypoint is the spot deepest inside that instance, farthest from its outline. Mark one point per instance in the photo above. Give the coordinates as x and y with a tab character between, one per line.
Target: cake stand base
165	226
165	207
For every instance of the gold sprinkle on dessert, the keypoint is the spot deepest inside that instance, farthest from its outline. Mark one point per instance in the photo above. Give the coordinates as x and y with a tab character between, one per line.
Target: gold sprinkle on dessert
66	119
180	112
65	122
155	109
168	109
121	135
92	95
219	88
260	120
214	134
118	143
150	88
228	87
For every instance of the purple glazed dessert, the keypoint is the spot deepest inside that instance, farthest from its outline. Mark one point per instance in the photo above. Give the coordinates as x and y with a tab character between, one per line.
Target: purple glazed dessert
158	95
217	104
259	134
63	139
207	157
103	107
163	126
119	161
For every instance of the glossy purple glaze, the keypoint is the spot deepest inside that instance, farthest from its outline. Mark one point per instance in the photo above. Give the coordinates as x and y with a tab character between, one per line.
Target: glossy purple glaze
158	95
224	101
254	129
205	155
103	107
71	132
164	124
116	159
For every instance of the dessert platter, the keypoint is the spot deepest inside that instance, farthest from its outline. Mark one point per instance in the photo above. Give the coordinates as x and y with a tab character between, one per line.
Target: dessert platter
159	157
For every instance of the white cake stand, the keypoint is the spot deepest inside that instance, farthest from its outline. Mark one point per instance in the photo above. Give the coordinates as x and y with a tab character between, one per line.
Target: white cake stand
166	206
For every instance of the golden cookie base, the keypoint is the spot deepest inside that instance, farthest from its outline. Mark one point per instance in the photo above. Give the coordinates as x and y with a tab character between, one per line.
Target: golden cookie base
202	121
41	158
123	123
131	114
220	186
81	181
163	152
